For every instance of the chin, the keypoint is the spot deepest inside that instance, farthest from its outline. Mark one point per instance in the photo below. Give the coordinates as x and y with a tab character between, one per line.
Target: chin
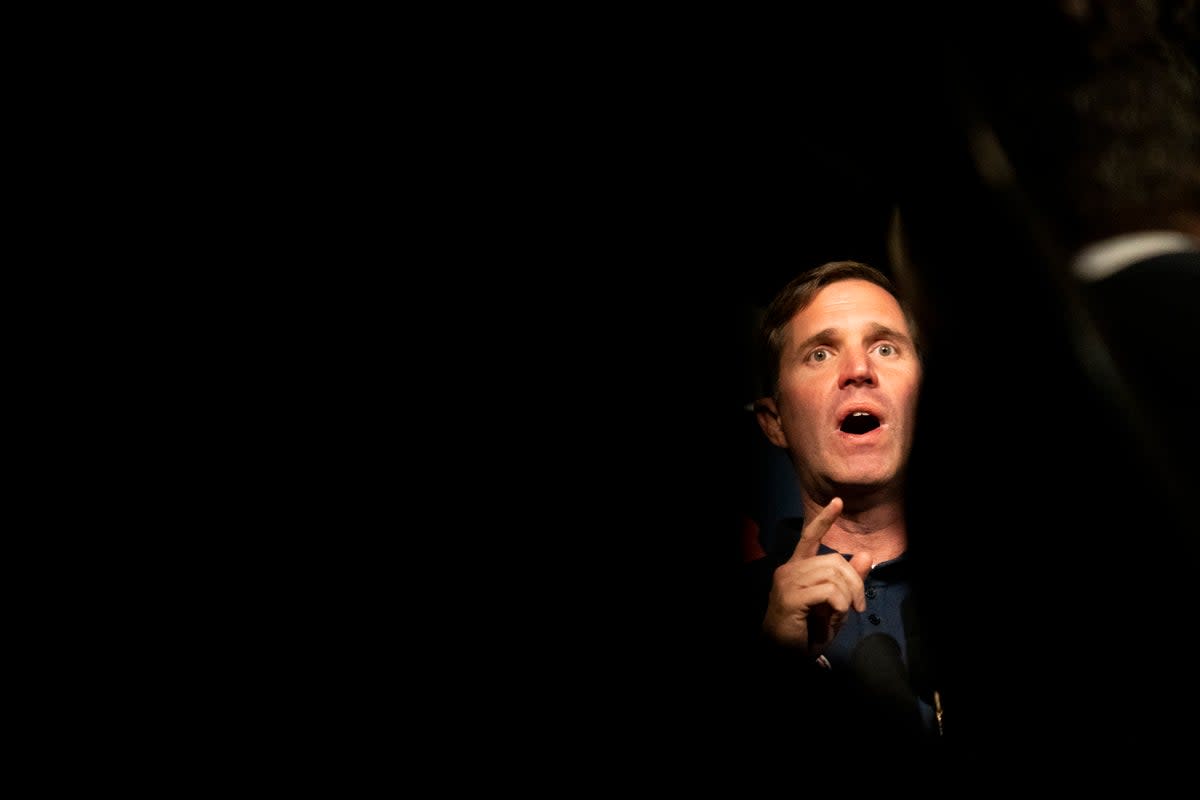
869	475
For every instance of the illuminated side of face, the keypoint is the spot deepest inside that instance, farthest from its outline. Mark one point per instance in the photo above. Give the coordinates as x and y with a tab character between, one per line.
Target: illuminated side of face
848	381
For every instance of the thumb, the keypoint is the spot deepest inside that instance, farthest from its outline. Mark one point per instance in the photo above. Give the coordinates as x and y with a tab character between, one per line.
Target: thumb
861	563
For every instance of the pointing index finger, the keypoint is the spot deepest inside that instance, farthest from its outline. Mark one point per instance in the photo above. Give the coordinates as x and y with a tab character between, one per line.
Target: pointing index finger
815	530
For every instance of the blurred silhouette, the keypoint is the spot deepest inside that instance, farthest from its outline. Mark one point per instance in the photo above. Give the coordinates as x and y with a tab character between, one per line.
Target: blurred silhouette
1049	487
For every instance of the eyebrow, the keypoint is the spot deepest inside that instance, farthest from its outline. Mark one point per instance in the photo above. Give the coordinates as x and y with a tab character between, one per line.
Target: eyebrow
875	332
827	335
878	331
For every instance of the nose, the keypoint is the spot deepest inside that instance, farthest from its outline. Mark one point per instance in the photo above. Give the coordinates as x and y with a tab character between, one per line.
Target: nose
857	369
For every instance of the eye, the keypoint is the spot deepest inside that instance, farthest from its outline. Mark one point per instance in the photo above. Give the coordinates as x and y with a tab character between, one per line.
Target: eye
819	355
887	350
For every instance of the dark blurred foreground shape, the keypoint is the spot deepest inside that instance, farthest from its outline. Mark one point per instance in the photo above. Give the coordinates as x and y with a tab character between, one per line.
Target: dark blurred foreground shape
1053	481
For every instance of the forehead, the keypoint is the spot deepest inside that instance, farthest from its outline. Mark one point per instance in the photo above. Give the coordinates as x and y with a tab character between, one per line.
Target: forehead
851	302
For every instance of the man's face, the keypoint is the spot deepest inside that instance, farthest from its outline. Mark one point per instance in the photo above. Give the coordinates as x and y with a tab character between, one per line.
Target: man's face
848	382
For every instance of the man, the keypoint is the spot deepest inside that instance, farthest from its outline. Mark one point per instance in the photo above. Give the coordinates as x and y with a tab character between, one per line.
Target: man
1101	131
834	614
1051	492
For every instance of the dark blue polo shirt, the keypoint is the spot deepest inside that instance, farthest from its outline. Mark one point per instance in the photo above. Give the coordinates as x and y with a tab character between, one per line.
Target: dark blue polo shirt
880	647
881	641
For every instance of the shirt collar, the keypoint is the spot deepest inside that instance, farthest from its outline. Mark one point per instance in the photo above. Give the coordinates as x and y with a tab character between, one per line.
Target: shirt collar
1101	259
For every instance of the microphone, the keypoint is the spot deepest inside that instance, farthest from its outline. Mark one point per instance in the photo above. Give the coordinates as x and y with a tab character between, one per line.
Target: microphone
885	689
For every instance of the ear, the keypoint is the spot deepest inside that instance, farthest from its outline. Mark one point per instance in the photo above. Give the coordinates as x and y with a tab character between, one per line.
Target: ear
767	414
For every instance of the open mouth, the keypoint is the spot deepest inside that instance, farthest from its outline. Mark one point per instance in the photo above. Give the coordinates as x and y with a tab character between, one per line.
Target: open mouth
859	422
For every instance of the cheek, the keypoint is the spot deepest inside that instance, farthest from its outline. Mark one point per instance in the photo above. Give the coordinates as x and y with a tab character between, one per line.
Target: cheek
801	394
801	431
910	406
800	411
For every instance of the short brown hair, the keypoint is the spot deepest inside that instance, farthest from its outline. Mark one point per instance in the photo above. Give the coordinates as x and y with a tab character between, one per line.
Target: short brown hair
795	297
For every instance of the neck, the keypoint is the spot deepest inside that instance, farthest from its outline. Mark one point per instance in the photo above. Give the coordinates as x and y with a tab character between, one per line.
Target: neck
1186	222
878	529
